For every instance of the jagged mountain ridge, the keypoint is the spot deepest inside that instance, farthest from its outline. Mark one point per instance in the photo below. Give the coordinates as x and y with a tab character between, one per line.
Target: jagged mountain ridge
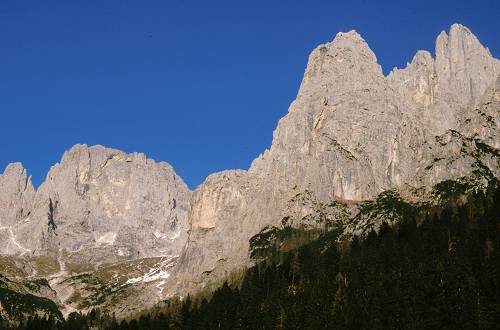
124	206
351	134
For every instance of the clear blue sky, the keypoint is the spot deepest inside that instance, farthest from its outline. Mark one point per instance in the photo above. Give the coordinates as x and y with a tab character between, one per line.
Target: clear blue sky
199	84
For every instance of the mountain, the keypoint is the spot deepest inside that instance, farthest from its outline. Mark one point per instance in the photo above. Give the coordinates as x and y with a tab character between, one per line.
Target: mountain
122	232
97	209
351	134
98	205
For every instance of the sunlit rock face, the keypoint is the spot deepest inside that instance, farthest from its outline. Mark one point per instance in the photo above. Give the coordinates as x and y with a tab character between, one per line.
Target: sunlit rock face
439	90
16	198
350	134
97	205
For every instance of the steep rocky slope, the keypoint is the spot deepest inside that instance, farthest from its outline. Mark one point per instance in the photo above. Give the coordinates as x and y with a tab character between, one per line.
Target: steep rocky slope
350	134
119	230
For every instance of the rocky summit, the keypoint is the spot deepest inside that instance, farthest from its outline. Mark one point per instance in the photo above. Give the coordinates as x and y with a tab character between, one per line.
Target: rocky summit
98	205
351	134
123	232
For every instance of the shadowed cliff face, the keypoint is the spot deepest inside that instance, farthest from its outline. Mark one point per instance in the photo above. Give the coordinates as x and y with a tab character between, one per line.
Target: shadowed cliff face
350	134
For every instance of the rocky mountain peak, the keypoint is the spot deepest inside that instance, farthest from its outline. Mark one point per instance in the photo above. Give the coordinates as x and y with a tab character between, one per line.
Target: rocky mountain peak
16	167
464	67
438	90
350	134
342	62
16	194
459	40
422	59
15	179
125	205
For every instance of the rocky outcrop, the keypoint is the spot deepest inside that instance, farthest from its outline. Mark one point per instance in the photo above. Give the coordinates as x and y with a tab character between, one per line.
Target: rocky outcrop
350	134
482	121
98	205
16	193
16	198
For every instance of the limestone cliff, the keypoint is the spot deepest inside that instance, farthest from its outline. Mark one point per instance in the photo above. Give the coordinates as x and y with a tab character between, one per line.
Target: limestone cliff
350	134
98	205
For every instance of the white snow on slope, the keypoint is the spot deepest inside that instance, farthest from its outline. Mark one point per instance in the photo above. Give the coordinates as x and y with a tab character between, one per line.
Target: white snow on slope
177	234
107	239
158	271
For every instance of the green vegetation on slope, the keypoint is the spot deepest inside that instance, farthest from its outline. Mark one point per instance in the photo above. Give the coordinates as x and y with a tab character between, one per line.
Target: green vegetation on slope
17	306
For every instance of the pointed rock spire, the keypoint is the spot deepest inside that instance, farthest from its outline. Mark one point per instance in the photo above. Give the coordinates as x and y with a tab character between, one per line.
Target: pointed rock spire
16	194
438	90
342	63
463	65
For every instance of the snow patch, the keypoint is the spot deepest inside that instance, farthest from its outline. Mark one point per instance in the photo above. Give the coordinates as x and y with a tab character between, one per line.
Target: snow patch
158	271
159	235
177	234
107	239
123	252
152	275
160	287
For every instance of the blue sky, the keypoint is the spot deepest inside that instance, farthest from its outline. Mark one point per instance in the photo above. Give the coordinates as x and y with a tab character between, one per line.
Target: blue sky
199	84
